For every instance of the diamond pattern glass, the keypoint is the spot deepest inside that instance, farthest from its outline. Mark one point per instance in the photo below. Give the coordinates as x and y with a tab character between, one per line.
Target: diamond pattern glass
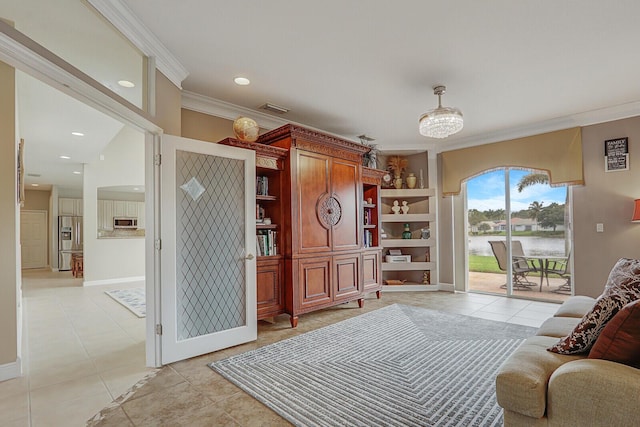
210	236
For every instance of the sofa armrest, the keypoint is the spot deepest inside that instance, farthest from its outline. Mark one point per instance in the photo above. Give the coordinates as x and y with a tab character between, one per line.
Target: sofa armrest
591	392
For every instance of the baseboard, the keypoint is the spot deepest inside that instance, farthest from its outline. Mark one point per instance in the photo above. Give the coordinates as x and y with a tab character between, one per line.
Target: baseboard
11	370
113	281
447	287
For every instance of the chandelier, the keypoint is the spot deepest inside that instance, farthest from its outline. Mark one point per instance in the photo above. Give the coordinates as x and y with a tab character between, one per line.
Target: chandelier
441	122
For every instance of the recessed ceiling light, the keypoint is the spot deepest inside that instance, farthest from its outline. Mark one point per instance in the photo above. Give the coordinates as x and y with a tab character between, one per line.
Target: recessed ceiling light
126	83
35	185
77	173
77	133
242	81
65	157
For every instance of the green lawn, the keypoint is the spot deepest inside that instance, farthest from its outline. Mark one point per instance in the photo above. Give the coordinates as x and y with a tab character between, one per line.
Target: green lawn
488	264
484	264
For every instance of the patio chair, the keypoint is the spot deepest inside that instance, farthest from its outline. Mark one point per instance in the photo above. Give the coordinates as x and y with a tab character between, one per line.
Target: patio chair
520	267
561	267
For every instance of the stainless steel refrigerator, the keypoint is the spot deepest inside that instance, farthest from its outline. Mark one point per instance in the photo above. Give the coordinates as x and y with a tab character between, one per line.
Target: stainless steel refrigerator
69	240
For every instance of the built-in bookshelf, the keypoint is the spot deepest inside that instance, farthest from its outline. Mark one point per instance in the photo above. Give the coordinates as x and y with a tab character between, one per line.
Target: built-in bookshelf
269	217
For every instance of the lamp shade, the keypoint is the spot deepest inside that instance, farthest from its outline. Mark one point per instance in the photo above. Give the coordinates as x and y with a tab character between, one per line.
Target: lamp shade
636	211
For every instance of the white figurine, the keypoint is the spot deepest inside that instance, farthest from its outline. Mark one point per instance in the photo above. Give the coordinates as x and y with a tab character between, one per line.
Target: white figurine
395	208
405	207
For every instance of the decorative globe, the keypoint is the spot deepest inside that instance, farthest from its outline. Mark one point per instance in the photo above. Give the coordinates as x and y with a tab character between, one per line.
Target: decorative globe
246	129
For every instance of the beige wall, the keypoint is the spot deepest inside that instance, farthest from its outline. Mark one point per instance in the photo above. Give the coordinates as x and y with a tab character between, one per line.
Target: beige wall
8	218
168	105
36	200
605	198
204	127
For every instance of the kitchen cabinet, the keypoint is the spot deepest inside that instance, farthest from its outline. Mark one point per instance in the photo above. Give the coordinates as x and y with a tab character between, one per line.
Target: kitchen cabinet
70	207
140	215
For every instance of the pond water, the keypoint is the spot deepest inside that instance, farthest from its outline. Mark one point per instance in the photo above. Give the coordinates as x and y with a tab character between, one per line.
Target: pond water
532	245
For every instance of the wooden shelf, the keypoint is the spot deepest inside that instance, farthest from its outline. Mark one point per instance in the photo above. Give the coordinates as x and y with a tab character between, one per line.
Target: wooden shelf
407	243
408	266
266	197
420	217
416	192
370	226
368	205
266	226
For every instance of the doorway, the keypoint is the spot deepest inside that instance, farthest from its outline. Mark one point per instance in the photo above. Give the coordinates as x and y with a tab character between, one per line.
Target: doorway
33	239
514	214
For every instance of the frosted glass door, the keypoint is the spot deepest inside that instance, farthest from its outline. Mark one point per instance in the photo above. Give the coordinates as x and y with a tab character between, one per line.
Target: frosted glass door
208	291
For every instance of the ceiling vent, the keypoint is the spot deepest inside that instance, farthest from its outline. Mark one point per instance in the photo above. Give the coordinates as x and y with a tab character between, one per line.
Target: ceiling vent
274	108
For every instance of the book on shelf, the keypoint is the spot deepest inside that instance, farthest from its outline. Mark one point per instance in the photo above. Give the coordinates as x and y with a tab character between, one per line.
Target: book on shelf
262	185
368	238
266	243
259	214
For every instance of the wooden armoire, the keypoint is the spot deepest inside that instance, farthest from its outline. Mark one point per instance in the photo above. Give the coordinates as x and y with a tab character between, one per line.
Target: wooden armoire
322	227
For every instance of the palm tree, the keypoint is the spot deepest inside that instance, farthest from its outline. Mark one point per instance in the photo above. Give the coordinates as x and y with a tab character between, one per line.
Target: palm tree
543	178
532	179
534	210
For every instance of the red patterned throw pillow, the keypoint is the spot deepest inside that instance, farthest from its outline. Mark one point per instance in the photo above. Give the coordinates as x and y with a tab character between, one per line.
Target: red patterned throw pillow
622	287
620	339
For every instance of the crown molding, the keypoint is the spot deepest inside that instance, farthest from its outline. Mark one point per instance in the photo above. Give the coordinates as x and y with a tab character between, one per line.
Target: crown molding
125	21
587	118
226	110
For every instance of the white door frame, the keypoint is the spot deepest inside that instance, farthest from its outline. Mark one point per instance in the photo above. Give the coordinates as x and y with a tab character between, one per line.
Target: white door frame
24	54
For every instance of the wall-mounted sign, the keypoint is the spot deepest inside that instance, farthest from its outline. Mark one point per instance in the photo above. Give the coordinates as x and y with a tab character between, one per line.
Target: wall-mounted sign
616	155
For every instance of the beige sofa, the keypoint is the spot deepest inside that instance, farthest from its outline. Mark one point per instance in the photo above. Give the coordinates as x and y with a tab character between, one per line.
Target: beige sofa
536	387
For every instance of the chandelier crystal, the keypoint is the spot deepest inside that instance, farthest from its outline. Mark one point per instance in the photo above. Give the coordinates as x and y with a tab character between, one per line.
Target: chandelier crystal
441	122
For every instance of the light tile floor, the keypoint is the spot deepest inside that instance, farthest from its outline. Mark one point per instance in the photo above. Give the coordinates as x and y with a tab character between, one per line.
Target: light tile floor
83	350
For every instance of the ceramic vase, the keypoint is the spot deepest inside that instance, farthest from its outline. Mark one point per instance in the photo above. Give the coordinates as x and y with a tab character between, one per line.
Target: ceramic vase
411	180
397	182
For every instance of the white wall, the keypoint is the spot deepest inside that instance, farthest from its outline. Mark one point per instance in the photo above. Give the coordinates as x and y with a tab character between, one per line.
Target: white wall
113	260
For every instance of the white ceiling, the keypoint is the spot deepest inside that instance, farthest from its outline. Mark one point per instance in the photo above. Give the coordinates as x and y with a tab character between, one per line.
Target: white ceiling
354	67
351	68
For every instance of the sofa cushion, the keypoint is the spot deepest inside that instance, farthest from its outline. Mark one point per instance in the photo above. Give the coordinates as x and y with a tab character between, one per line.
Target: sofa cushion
576	306
622	287
619	341
558	326
521	382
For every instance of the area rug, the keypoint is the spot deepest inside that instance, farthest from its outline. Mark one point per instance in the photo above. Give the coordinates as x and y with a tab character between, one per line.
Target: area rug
133	299
396	366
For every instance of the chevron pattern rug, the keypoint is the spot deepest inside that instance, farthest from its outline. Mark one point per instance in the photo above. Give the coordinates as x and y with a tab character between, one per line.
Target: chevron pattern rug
396	366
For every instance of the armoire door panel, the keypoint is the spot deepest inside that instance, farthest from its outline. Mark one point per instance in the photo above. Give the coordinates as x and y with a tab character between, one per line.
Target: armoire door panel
346	275
313	185
314	281
269	288
371	269
344	184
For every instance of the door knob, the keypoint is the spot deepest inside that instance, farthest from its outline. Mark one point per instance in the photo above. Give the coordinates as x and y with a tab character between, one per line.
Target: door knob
250	256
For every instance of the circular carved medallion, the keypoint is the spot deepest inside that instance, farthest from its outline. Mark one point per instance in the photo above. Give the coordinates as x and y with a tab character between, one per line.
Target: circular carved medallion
329	211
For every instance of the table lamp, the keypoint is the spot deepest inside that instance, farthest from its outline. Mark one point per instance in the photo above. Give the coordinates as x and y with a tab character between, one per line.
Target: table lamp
636	211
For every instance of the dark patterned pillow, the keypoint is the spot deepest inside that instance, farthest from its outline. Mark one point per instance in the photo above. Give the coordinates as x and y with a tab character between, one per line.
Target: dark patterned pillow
620	339
586	332
622	287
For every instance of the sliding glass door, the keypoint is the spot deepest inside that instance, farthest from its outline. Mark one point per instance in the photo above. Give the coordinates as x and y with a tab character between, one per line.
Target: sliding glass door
519	240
